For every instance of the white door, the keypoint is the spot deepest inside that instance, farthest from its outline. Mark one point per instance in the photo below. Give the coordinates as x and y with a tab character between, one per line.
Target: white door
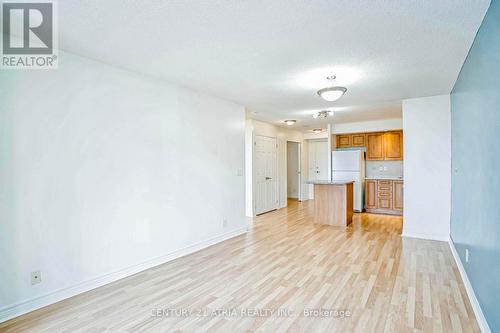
266	185
318	162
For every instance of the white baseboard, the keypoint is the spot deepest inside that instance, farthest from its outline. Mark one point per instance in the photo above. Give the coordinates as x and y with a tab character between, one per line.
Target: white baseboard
17	309
426	236
481	320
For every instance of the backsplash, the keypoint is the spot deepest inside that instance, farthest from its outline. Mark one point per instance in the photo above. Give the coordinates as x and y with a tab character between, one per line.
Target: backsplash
375	169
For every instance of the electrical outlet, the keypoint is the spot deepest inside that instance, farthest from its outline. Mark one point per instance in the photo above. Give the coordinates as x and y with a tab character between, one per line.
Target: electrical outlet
466	255
224	223
36	277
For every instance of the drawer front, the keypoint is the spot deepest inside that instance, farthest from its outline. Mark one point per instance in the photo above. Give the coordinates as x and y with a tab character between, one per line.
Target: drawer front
387	182
385	194
385	188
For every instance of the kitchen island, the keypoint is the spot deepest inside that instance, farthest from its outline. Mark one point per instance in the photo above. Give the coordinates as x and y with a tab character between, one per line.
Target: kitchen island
333	202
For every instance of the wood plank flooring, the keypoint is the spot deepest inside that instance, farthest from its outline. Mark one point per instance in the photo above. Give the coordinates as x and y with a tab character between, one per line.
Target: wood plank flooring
365	277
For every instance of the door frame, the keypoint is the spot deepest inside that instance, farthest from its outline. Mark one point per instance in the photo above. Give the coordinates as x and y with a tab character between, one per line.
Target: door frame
276	187
299	167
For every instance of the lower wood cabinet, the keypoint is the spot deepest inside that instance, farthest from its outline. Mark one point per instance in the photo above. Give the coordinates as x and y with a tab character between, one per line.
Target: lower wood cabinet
384	203
384	196
370	194
397	190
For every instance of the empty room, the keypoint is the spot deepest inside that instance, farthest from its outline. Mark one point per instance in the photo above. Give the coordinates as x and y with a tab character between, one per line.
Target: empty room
249	166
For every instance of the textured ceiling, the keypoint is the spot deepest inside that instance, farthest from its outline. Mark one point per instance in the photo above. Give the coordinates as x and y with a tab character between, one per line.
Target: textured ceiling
272	56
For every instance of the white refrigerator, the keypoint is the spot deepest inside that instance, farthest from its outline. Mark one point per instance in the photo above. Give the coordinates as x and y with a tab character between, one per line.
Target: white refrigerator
350	165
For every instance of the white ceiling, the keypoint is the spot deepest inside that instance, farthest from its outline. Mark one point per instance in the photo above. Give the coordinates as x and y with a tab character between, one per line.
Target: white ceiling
272	56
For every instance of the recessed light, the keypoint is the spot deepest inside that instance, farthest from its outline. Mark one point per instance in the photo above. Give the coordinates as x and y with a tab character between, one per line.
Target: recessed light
290	122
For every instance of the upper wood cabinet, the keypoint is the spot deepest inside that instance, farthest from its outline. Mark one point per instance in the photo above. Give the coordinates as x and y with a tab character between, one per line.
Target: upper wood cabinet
351	140
343	140
380	146
386	146
393	145
374	146
358	140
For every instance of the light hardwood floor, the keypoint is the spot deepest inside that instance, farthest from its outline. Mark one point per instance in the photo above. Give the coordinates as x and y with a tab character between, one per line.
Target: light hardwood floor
385	283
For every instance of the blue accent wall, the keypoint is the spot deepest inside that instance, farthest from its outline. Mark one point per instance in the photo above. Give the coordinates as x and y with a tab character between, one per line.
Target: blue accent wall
475	126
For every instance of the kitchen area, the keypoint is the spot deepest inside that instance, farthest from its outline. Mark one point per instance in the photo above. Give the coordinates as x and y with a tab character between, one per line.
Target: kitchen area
378	176
367	169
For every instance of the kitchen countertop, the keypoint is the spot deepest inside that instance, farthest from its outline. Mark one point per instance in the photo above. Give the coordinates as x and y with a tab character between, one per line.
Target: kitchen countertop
328	182
382	178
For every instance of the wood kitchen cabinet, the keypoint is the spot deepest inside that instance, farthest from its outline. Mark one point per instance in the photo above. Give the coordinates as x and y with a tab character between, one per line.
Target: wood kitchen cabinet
397	190
343	140
387	146
358	140
374	146
350	140
380	146
393	146
384	196
370	194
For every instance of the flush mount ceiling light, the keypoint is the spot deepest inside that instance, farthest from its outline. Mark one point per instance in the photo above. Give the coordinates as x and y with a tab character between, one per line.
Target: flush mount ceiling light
318	130
322	114
332	93
290	122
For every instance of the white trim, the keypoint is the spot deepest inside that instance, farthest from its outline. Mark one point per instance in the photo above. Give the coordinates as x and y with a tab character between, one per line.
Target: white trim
329	166
426	236
17	309
481	320
299	153
254	205
299	185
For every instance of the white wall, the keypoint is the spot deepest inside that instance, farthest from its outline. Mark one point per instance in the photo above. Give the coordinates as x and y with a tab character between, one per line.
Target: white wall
367	126
255	127
427	167
311	135
105	173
